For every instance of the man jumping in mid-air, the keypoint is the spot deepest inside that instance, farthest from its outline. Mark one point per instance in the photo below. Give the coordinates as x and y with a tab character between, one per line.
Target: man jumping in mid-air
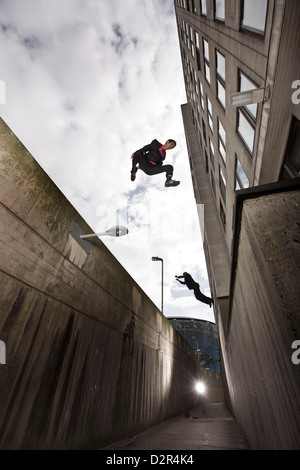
193	285
150	160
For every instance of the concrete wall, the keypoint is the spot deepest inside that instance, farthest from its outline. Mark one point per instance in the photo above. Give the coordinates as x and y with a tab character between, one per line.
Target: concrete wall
263	381
89	358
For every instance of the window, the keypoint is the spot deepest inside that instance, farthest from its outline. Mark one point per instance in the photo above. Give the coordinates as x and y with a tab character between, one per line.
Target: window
197	40
197	50
222	141
245	85
184	32
182	28
201	95
220	63
291	164
241	179
222	215
200	138
245	130
187	38
212	153
203	7
213	184
221	94
220	10
254	13
196	83
247	114
209	114
222	184
193	117
204	131
206	49
206	60
206	162
192	41
207	72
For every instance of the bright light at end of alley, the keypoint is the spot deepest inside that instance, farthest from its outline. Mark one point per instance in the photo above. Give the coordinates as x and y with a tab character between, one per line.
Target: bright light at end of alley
200	387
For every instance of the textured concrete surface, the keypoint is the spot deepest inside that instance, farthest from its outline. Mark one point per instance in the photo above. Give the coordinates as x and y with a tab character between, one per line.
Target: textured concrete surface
209	426
263	381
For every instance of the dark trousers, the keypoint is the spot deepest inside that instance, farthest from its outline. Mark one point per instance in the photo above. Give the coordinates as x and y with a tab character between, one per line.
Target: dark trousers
151	169
202	297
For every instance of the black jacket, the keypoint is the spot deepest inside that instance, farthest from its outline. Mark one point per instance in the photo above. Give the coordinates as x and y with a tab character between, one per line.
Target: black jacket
189	281
151	152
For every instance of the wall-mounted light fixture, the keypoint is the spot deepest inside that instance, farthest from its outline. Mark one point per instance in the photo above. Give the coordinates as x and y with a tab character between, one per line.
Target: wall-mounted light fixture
242	98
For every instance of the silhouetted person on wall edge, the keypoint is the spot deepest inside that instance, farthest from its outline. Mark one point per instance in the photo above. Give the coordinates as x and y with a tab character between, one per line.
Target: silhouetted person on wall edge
193	285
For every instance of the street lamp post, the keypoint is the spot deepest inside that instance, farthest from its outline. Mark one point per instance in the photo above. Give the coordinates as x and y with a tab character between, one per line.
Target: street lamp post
117	231
156	258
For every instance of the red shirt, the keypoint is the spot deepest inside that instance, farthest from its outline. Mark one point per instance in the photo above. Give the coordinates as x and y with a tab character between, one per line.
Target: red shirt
162	151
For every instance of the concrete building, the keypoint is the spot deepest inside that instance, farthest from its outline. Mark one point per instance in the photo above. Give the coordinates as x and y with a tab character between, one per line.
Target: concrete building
244	158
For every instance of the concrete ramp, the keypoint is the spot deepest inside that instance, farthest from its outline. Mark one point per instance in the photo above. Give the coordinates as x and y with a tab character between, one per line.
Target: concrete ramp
209	426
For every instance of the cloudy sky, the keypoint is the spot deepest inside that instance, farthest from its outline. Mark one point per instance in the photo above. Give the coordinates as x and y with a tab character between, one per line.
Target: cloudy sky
86	84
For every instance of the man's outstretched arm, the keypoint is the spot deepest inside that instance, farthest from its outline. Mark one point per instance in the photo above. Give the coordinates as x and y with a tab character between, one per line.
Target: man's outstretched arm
179	277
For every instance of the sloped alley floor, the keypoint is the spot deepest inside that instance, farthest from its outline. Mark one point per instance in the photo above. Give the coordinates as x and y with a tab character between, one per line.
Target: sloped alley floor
207	427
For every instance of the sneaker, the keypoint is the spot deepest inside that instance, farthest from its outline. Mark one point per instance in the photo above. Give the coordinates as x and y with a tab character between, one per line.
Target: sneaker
171	182
133	174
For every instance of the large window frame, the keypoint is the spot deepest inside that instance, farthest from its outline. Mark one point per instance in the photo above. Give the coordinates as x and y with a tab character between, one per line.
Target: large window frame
212	153
241	178
222	141
209	114
223	215
219	9
245	131
206	60
213	183
201	94
203	7
254	16
246	119
222	183
192	41
204	131
197	43
220	77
